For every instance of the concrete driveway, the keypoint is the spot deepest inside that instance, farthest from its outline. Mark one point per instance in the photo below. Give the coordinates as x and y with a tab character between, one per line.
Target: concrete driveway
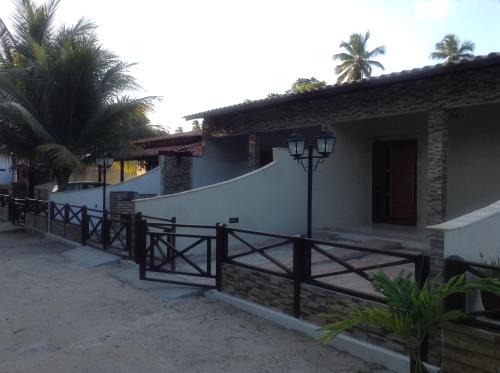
56	316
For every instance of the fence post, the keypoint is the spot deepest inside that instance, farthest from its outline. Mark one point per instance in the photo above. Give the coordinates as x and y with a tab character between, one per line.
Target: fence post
66	213
128	234
85	225
454	266
173	241
298	267
306	259
421	276
135	223
105	229
141	240
11	210
219	244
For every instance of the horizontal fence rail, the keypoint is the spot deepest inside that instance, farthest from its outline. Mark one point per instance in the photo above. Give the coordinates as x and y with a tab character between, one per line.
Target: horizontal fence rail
349	268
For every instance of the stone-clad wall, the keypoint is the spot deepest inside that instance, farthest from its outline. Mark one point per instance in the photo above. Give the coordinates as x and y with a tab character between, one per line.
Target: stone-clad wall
277	293
176	173
315	301
4	212
35	222
470	349
455	89
270	291
72	232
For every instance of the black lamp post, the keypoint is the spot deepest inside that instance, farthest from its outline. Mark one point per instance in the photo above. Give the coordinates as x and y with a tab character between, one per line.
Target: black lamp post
104	163
325	142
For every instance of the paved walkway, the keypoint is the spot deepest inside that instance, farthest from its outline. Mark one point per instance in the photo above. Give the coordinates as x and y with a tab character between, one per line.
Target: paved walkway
56	316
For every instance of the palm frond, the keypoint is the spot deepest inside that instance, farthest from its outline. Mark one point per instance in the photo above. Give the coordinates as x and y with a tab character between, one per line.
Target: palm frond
16	113
59	158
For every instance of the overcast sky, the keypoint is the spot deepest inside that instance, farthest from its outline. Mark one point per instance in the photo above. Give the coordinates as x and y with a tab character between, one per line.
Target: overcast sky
200	54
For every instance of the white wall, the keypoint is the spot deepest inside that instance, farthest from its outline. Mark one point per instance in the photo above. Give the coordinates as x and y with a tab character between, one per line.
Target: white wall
5	171
474	234
148	183
474	159
343	194
223	159
272	198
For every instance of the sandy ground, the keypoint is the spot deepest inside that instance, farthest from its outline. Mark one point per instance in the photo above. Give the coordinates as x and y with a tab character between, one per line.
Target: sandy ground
56	316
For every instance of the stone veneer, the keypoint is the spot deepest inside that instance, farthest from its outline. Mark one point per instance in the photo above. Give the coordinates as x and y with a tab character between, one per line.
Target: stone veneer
316	301
69	231
277	293
270	291
470	349
35	222
176	173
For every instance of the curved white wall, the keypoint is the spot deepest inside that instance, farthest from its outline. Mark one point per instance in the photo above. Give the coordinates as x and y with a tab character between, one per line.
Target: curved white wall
272	199
473	235
148	183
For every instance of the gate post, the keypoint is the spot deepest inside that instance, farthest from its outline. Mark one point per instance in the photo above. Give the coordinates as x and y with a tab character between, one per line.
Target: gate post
298	265
128	233
85	225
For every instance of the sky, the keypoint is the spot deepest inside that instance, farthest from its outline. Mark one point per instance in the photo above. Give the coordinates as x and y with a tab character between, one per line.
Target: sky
199	54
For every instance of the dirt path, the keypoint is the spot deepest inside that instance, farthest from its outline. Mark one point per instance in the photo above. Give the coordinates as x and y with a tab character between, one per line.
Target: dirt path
56	316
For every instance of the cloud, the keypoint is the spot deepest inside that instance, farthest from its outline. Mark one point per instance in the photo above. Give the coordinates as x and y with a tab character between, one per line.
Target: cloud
432	9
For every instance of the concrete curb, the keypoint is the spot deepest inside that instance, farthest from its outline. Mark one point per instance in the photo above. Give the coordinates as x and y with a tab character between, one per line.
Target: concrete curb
89	257
365	351
63	240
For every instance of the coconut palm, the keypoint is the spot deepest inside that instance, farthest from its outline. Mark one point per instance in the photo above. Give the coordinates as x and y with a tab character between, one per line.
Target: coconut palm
412	310
452	49
61	93
357	62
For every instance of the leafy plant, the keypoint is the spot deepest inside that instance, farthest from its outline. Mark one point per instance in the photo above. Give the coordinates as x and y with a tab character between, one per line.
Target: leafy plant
62	95
412	310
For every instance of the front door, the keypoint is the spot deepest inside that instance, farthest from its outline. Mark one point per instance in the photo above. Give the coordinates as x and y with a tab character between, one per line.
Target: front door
395	182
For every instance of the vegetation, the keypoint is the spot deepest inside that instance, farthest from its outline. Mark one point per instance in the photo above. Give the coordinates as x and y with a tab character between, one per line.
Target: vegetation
452	49
412	310
357	62
62	98
304	84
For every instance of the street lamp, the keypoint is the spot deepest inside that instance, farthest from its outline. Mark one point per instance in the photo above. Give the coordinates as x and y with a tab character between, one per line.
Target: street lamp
104	163
325	143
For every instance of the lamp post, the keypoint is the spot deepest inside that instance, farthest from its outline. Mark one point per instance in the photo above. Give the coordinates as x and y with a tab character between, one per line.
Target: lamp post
325	142
104	163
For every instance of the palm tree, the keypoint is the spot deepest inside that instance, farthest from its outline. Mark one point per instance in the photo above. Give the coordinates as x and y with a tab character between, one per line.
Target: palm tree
357	62
451	49
61	93
412	310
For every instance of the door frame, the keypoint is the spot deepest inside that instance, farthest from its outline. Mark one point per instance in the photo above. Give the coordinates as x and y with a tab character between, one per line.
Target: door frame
377	199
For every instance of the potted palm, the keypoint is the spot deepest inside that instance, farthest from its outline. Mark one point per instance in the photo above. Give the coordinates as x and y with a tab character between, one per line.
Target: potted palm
412	310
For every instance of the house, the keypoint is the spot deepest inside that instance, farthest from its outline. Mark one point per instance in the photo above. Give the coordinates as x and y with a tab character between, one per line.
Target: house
413	149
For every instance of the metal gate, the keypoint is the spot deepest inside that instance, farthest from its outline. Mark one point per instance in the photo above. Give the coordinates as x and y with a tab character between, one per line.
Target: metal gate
182	254
108	232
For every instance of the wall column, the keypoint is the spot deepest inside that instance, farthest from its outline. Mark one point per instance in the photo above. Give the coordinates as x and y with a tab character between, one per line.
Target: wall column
253	151
176	173
437	154
437	179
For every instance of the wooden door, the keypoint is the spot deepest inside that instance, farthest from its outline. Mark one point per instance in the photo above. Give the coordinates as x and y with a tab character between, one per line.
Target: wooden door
395	182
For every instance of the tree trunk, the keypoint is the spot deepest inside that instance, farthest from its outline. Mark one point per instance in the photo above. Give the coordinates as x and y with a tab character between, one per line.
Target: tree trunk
62	178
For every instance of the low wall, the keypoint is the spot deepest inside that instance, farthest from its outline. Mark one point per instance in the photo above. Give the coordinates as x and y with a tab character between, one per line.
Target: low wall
37	223
278	293
270	291
475	236
148	183
272	199
4	212
69	231
470	349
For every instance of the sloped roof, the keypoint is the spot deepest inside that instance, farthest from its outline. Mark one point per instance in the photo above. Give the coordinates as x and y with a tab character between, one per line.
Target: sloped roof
384	79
